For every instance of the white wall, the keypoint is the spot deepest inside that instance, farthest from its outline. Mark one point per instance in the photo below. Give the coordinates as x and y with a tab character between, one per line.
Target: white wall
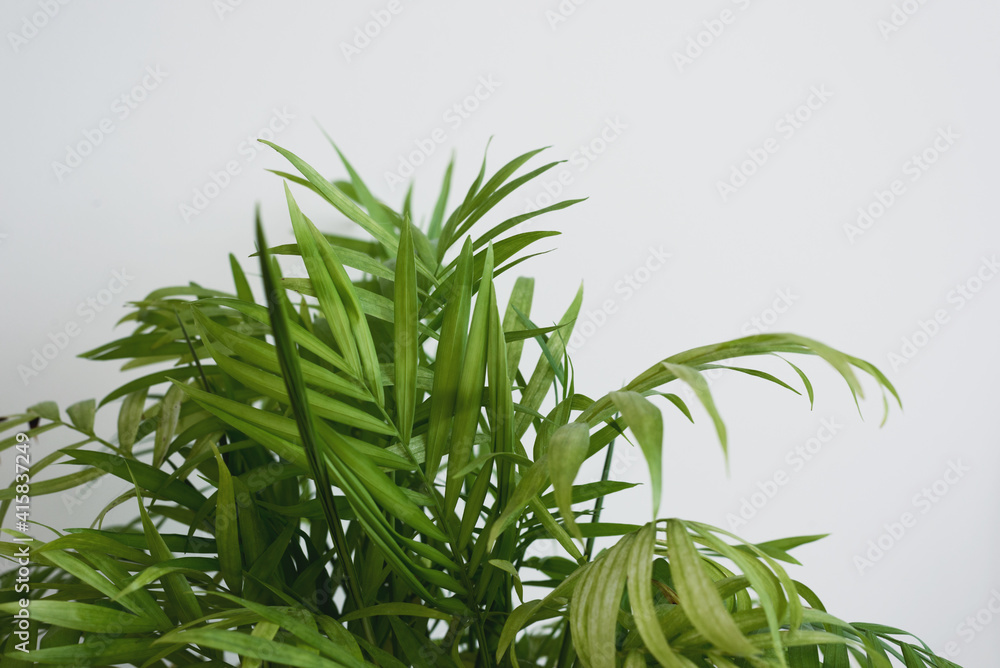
886	92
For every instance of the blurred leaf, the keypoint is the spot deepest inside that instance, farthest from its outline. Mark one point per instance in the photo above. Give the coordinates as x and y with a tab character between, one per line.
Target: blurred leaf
316	255
448	364
249	646
544	374
508	567
406	348
468	402
243	290
180	597
129	418
170	412
81	414
305	632
147	477
568	448
640	576
595	604
698	595
83	616
46	409
227	529
434	227
396	609
700	387
646	422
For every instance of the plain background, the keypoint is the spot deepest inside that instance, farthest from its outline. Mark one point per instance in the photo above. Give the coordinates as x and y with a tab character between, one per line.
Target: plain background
663	133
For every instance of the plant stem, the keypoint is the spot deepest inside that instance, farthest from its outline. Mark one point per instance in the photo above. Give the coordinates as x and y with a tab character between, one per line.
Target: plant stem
288	360
566	644
197	362
437	509
599	503
564	647
353	585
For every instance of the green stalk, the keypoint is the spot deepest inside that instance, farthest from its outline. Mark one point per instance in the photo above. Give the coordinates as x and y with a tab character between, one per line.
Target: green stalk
292	373
599	502
564	648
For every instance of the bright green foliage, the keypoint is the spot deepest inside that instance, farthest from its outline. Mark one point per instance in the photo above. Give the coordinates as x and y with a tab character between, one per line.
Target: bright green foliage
357	470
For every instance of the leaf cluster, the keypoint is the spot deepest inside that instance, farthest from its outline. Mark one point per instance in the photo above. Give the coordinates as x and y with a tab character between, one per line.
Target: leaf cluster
366	471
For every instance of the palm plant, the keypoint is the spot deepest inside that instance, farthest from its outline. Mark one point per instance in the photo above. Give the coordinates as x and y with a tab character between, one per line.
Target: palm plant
359	464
